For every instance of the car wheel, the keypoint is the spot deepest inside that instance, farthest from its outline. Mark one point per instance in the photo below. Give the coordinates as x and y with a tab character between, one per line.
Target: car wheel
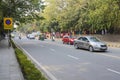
76	46
91	49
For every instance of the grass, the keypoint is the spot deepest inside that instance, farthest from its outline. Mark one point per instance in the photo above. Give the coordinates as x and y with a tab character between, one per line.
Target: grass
29	70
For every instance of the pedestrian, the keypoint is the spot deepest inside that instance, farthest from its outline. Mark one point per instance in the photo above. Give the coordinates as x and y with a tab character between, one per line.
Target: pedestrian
103	32
19	36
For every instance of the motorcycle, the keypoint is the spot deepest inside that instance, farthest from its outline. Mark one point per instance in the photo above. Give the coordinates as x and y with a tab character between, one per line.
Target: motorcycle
19	37
53	38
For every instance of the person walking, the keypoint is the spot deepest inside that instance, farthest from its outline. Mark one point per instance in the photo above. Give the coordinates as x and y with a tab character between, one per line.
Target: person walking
19	36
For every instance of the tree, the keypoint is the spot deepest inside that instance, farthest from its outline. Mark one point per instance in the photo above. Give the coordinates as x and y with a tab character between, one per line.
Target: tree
84	14
22	11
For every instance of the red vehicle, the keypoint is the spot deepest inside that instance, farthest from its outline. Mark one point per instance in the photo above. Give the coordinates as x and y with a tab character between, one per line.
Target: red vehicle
68	40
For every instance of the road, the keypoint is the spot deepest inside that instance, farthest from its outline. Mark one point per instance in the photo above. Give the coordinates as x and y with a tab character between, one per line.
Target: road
64	62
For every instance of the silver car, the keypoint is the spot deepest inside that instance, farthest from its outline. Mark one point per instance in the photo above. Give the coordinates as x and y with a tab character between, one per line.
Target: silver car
91	43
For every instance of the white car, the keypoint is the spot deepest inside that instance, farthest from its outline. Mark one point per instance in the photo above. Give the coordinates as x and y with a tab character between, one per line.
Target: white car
91	43
30	36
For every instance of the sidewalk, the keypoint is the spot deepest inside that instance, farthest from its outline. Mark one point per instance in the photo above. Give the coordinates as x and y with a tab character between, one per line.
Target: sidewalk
9	68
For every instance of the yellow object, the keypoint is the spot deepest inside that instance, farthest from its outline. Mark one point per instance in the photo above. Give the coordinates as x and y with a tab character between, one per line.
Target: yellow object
8	23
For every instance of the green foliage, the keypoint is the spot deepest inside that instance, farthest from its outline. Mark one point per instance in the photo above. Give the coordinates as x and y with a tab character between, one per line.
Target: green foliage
21	10
84	14
30	72
13	45
28	68
62	15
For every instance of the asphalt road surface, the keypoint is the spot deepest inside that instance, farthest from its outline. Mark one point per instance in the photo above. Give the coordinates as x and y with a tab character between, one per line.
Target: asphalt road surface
64	62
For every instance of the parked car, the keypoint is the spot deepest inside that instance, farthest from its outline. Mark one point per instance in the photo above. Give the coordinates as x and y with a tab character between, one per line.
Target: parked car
31	36
91	43
67	39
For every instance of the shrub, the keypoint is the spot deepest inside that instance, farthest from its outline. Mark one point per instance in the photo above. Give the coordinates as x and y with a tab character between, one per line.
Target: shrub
13	45
30	72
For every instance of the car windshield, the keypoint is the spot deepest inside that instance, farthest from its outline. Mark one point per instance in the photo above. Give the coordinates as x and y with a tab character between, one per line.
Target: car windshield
94	39
72	37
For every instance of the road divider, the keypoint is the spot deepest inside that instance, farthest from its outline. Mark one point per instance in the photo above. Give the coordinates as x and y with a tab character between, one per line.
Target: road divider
113	44
109	44
68	46
29	70
112	56
37	64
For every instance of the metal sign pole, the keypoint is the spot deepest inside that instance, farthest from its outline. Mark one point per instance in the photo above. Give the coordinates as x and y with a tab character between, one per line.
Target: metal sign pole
9	44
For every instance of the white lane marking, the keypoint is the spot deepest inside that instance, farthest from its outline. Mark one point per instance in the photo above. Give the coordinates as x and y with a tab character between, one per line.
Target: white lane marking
39	64
112	56
73	57
42	46
68	46
113	71
52	50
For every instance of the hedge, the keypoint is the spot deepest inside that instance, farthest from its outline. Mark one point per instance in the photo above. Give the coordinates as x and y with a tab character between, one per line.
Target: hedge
29	70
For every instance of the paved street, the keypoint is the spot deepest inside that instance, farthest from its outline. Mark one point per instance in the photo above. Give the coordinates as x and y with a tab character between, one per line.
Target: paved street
64	62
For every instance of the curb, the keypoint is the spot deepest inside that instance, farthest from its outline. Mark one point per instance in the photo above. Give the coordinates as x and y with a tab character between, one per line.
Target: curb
109	44
113	45
38	65
20	71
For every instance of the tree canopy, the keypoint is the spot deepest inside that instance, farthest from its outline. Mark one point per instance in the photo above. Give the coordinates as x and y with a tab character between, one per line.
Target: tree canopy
67	15
21	10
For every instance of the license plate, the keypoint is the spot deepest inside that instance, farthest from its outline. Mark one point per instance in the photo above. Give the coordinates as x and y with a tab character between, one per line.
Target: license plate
104	47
